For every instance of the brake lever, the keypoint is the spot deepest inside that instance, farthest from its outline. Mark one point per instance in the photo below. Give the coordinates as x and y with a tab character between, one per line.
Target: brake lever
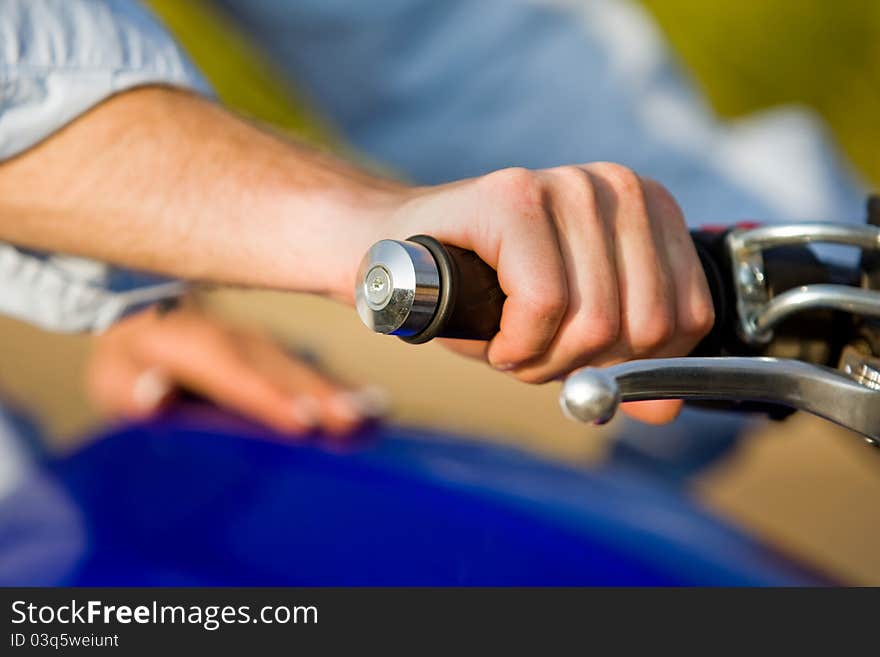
849	397
846	398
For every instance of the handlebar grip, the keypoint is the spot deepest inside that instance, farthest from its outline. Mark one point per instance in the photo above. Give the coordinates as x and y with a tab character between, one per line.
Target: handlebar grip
470	300
713	260
420	289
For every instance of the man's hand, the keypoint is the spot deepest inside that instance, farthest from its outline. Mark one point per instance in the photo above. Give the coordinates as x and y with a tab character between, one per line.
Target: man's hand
596	262
139	365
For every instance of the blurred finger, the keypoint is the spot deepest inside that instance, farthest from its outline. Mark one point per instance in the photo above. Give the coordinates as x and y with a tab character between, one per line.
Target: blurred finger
151	389
659	411
120	387
338	409
217	368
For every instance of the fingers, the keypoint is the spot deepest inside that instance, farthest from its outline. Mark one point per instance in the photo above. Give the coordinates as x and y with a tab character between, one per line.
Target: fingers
120	387
658	411
524	249
324	402
634	285
644	274
150	390
591	324
475	349
598	267
695	311
216	367
138	363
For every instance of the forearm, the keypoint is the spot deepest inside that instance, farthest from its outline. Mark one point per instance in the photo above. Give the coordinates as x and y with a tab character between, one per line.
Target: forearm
596	262
165	181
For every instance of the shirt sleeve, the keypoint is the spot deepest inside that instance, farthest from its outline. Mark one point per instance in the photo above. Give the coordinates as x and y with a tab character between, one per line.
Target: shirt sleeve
59	58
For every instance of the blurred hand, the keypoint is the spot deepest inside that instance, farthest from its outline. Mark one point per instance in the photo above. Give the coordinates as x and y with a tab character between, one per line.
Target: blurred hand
139	364
596	262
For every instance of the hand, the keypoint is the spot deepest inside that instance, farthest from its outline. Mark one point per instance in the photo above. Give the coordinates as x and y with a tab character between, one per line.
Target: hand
596	262
139	364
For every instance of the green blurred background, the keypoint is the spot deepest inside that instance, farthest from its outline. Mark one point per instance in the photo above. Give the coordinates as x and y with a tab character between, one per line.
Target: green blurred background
751	54
745	55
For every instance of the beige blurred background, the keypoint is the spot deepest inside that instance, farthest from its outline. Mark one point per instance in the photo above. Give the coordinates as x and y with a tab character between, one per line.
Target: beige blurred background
804	485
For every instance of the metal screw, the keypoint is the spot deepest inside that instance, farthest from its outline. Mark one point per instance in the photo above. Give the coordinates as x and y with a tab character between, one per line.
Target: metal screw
378	287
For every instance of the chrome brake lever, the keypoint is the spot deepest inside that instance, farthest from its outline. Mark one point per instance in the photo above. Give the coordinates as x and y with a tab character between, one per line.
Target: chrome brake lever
593	395
849	397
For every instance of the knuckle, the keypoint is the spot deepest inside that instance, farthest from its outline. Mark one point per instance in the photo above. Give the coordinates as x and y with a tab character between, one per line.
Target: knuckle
576	184
663	200
602	333
549	307
623	179
572	176
702	318
517	185
654	331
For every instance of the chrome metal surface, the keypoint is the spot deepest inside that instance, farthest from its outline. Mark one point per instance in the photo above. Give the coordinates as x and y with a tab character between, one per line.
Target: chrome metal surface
757	312
592	398
861	368
378	287
397	287
759	239
818	390
807	297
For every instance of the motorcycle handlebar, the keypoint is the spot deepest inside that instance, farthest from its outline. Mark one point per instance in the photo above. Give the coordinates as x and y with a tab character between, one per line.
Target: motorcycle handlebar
421	289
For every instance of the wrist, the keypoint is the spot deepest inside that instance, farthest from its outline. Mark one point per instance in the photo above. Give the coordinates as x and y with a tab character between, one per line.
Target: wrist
343	228
327	229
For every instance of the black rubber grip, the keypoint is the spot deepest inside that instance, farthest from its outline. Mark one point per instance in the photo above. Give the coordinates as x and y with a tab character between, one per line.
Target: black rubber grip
470	300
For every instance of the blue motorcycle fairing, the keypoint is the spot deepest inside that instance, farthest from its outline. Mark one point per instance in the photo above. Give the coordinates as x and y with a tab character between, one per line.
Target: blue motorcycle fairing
198	497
